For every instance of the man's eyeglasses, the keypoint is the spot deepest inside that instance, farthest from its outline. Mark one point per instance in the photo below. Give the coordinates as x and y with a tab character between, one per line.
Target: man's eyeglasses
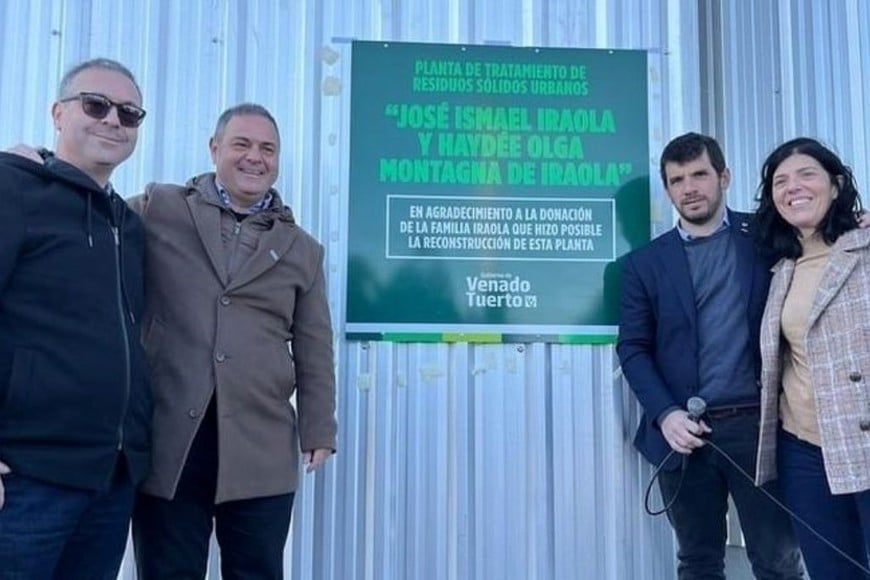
97	106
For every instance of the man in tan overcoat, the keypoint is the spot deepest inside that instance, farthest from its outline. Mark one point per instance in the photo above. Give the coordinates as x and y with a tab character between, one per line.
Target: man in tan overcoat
236	321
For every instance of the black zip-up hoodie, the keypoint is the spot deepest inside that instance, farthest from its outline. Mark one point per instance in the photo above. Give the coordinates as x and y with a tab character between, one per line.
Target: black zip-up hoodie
74	396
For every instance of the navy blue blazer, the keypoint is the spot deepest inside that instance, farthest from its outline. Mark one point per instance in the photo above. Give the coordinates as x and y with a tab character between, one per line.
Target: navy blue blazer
658	335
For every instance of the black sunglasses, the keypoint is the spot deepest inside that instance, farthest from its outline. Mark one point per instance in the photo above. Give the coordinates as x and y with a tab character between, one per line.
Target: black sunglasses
98	106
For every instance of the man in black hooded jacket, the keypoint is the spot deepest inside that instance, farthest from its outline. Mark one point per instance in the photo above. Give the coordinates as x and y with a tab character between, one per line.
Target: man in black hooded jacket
74	400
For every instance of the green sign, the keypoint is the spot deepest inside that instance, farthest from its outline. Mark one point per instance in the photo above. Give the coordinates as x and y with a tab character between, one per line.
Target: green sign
492	190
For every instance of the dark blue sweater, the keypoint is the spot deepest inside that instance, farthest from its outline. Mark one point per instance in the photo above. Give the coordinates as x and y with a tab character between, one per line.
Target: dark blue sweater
74	396
726	369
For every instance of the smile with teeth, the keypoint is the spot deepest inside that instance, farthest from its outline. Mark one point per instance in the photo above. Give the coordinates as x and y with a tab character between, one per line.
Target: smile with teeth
799	201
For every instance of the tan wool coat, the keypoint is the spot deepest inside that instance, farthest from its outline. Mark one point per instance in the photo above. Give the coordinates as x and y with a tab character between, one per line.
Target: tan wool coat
838	349
207	332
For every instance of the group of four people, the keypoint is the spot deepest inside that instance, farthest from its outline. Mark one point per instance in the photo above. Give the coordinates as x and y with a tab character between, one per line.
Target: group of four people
206	284
781	363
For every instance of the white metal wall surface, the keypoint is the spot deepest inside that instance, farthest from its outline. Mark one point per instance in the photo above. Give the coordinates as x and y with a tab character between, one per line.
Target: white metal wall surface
783	69
456	462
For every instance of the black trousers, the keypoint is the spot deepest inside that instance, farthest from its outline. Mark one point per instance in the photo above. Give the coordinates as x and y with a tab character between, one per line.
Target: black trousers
171	537
698	513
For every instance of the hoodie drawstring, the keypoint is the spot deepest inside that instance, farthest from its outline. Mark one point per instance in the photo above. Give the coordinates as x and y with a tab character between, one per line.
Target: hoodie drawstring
123	216
90	221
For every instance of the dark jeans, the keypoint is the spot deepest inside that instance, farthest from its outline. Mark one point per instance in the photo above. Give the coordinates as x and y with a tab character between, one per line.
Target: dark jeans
843	519
171	537
50	531
698	513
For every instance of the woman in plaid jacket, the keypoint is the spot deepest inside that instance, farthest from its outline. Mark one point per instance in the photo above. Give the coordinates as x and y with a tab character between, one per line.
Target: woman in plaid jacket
815	346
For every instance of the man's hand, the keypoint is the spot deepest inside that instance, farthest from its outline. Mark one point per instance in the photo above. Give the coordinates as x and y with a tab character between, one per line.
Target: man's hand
4	469
864	220
314	459
26	151
683	434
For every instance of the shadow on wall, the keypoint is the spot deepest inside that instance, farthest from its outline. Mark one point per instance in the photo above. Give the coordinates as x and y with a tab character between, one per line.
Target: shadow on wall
632	207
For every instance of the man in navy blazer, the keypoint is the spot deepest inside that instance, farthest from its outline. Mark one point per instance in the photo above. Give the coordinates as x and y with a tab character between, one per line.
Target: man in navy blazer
691	308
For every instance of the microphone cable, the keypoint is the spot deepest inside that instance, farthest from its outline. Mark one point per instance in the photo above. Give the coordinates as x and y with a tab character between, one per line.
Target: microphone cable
695	407
743	472
653	479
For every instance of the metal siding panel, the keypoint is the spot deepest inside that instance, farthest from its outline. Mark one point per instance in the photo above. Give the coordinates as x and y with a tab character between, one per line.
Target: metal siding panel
612	479
752	95
571	512
490	475
463	542
777	86
858	41
541	457
681	79
27	53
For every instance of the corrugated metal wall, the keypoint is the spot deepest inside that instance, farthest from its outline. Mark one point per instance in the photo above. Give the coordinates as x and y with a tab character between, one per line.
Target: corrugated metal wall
778	70
457	461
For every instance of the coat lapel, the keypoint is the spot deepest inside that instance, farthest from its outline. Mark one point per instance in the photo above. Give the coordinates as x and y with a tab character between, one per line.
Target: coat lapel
273	244
207	219
770	335
676	266
744	246
840	265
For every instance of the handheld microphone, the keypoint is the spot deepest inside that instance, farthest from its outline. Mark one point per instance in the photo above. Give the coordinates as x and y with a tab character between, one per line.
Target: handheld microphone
696	406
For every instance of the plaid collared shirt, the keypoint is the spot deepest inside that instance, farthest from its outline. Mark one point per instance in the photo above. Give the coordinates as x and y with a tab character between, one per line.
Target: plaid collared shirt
264	203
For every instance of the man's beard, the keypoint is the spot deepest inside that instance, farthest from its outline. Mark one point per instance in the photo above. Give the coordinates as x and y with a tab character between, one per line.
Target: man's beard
700	219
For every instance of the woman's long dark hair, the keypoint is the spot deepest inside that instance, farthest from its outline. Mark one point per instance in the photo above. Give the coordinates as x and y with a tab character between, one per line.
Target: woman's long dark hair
777	237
